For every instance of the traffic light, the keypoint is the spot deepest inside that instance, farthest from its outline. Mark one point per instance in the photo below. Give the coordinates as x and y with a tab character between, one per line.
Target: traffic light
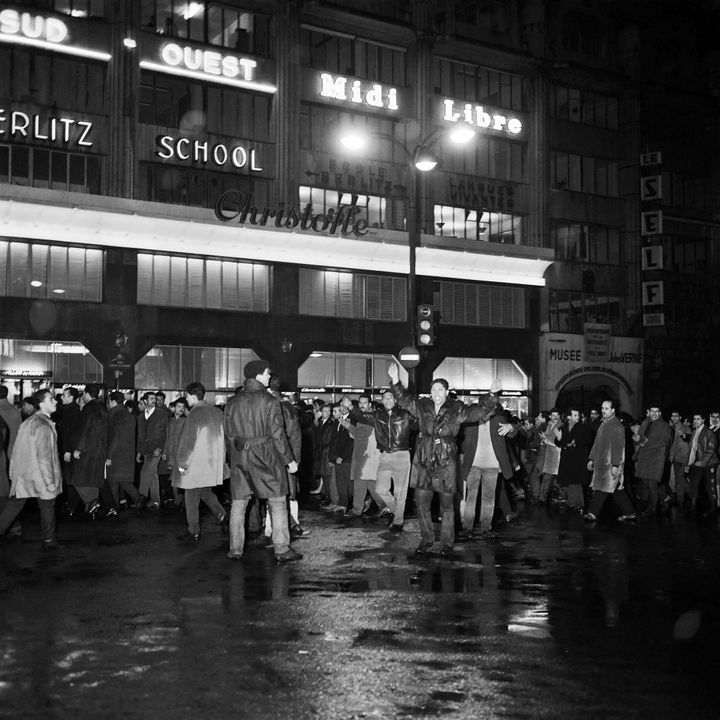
425	325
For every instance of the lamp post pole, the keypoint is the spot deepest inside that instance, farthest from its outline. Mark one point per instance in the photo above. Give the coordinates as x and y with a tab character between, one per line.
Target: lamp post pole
414	226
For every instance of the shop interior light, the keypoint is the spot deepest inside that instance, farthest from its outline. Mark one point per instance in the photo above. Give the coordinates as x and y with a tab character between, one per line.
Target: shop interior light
36	283
59	291
193	9
130	43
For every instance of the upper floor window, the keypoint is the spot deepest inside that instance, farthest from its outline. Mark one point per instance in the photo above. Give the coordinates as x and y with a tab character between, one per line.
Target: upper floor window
481	225
590	243
480	305
569	311
580	173
181	185
473	83
50	272
349	55
54	169
489	158
584	34
196	108
80	8
213	23
352	295
52	80
202	283
584	106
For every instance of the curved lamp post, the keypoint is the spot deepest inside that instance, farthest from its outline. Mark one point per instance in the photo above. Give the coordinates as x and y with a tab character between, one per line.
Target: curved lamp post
421	158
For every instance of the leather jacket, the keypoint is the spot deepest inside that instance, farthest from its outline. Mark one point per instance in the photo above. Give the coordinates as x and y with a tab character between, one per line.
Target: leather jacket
392	429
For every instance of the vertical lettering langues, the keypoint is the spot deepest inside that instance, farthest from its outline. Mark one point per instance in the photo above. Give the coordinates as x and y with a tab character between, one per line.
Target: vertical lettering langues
234	206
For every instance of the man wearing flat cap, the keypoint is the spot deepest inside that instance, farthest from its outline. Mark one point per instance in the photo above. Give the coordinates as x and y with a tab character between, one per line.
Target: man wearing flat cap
259	453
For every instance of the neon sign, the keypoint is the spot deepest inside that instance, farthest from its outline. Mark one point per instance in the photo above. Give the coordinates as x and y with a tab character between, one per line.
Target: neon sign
202	152
35	127
374	95
480	117
208	65
48	33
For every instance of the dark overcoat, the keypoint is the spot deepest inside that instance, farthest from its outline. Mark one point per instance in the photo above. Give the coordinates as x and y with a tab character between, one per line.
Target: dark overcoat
121	445
259	448
575	444
435	461
89	470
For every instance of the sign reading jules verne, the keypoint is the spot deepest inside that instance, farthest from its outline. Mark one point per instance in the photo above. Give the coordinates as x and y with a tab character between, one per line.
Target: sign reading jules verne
234	206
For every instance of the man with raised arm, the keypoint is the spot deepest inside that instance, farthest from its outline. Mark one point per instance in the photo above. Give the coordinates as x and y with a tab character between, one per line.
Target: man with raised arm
439	419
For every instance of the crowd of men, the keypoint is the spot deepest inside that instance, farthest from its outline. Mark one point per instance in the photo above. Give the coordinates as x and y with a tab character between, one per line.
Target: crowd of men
469	466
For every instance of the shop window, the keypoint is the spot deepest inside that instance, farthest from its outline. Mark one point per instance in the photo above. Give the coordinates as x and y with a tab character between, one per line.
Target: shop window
483	226
332	374
373	209
178	281
173	367
329	293
491	158
51	272
28	365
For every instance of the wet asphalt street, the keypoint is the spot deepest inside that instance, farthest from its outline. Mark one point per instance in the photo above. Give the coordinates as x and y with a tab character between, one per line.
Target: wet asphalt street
553	619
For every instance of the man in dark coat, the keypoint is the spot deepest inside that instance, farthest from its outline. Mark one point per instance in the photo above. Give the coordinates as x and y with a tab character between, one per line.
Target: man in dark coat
435	463
120	460
576	439
260	454
152	429
90	452
340	456
485	454
653	440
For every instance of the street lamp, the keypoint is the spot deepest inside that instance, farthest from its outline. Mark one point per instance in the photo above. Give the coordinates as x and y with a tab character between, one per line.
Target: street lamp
421	159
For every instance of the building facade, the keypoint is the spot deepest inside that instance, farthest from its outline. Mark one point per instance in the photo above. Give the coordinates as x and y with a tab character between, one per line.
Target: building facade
175	197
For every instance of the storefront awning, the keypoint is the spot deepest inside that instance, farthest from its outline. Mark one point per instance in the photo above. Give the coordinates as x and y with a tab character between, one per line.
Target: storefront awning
111	222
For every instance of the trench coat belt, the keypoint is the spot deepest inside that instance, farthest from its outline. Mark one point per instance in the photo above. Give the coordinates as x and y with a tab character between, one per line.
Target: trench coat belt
247	443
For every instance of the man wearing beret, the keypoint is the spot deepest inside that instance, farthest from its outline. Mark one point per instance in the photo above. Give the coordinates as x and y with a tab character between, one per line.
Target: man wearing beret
260	453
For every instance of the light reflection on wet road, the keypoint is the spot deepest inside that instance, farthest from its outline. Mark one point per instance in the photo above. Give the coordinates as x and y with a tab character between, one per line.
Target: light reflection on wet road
552	620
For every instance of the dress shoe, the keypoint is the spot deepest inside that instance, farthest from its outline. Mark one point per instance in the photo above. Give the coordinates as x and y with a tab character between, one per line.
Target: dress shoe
352	513
288	556
463	536
112	512
423	548
235	557
93	509
189	537
589	517
395	528
153	505
627	518
297	531
487	535
51	546
385	512
140	504
446	550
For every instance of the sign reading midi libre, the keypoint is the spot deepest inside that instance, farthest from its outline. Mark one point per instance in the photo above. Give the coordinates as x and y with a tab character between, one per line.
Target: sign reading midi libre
234	206
482	117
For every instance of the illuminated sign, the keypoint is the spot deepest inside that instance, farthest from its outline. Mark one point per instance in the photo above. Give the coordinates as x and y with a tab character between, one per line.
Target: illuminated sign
36	127
48	33
208	65
355	91
202	152
481	117
233	205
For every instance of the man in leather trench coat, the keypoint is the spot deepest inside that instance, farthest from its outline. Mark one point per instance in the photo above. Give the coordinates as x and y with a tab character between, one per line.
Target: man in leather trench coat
259	453
435	463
